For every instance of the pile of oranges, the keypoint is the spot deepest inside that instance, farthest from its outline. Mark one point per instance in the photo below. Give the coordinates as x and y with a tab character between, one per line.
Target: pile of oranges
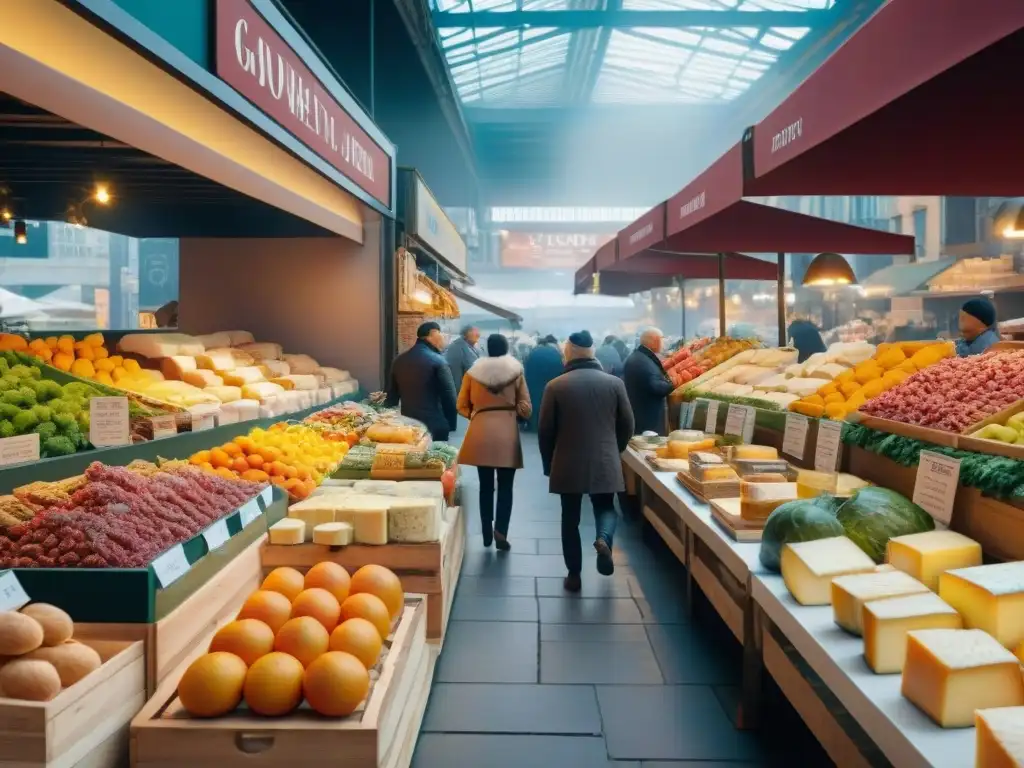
312	637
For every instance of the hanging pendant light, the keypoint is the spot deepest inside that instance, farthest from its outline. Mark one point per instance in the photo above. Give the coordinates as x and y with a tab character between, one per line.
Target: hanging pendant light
828	269
1009	219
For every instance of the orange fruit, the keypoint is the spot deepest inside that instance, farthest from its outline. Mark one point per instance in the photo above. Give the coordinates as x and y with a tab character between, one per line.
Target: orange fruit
304	473
295	486
369	607
244	442
304	638
276	468
248	639
273	685
358	637
287	581
219	459
335	684
278	480
231	449
330	576
272	608
240	465
320	604
206	466
255	476
227	474
212	685
254	460
269	453
290	472
200	457
379	581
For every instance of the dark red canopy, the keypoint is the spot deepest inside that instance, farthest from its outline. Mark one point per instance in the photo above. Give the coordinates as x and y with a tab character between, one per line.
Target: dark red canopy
924	99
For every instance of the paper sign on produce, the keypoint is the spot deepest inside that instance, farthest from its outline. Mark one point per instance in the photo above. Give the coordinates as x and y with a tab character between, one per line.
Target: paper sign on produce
936	484
794	439
826	457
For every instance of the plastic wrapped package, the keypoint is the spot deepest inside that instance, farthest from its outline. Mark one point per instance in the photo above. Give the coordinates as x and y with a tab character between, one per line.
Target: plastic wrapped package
302	364
214	340
263	350
240	337
157	345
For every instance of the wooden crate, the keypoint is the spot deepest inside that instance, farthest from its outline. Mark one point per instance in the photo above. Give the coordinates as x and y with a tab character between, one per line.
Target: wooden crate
86	724
174	637
382	735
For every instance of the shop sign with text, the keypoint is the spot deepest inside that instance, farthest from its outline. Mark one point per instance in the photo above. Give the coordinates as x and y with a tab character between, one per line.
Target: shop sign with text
435	229
549	250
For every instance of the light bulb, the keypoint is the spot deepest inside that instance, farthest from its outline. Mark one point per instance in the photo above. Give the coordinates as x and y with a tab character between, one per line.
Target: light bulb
102	194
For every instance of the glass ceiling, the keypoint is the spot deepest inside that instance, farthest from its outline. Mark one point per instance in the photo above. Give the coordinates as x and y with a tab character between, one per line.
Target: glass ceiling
534	66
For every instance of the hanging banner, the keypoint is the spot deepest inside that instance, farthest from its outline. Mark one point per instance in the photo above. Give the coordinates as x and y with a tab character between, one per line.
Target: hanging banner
549	250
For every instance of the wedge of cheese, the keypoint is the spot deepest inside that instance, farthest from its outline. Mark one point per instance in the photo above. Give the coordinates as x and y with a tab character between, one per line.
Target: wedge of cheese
851	593
755	452
927	555
368	516
202	379
305	382
333	534
216	360
301	363
808	567
214	340
225	394
240	337
887	622
950	673
175	368
157	345
989	597
414	520
312	512
274	368
239	377
288	531
999	739
262	350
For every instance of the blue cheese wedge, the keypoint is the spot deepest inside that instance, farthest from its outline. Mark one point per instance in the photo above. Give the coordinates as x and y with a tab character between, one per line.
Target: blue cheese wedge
414	520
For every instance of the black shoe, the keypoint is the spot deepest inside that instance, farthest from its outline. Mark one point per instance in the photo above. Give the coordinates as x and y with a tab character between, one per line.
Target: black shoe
501	543
488	531
572	583
605	564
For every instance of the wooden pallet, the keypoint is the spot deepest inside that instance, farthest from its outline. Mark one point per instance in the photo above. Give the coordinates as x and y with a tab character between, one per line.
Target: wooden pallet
726	512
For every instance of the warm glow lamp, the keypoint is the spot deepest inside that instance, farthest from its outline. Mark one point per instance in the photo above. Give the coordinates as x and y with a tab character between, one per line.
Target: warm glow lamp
1009	219
20	232
829	269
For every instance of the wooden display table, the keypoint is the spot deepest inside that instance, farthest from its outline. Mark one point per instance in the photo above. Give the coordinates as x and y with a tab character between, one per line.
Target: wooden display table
429	569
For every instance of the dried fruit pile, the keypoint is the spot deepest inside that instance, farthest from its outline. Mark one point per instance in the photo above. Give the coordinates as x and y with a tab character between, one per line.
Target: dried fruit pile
954	393
119	518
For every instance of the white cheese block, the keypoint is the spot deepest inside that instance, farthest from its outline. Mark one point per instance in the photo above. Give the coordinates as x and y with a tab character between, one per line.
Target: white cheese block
333	375
775	383
368	516
808	567
216	360
827	371
240	337
332	490
950	673
202	378
333	534
999	740
343	388
432	489
887	622
225	394
989	597
274	368
377	487
927	555
313	512
226	417
338	482
805	387
414	520
155	345
301	364
303	381
238	377
214	340
851	593
288	531
175	368
247	410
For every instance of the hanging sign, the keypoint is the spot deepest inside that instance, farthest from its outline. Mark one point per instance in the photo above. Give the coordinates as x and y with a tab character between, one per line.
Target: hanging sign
936	483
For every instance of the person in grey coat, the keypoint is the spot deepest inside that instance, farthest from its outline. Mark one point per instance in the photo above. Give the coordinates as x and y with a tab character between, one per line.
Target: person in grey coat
609	358
421	382
585	425
462	353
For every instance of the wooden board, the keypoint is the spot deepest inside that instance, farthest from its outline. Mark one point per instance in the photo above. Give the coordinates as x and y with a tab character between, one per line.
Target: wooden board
381	735
726	512
715	489
451	569
76	727
913	431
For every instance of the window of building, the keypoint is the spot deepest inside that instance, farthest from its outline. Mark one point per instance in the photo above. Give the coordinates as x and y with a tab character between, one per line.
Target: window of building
920	233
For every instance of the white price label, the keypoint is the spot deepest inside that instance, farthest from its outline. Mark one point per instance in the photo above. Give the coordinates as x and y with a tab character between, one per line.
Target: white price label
691	411
16	450
936	484
12	594
711	417
267	496
108	422
203	422
249	512
735	418
794	439
826	456
217	534
164	426
749	421
171	566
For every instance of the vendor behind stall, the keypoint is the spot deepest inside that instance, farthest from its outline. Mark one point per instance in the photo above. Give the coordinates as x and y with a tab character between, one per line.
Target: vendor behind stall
977	327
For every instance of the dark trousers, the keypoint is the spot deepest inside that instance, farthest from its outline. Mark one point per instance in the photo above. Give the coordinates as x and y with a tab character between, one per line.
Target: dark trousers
440	436
604	518
506	476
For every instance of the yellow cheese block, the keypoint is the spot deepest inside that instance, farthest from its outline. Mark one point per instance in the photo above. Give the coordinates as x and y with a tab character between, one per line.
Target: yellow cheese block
808	567
312	514
851	593
202	378
175	368
999	739
216	360
989	597
288	531
926	555
887	622
368	516
754	452
949	673
239	377
333	534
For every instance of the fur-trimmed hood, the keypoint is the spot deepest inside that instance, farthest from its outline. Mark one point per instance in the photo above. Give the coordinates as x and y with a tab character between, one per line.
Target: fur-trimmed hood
496	373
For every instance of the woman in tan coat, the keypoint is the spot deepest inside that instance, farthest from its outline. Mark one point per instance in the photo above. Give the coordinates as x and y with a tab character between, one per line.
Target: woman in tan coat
494	397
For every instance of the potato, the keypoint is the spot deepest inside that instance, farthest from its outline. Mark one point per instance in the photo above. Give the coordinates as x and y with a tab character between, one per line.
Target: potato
30	680
19	634
72	660
57	625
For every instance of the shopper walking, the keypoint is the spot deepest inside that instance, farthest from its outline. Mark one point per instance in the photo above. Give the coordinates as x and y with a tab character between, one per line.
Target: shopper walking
544	364
494	397
462	353
609	358
585	425
648	385
421	382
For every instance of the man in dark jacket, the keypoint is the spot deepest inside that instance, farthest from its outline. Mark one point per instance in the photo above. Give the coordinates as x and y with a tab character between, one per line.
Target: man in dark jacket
585	425
609	358
462	353
648	385
542	366
422	382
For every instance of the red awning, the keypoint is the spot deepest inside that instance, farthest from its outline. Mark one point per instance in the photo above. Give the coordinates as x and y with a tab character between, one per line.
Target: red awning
627	283
924	99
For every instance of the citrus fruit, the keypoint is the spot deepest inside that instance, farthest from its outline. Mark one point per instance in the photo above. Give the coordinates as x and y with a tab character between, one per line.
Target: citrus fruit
304	638
379	581
358	637
335	684
330	576
320	604
287	581
272	608
212	684
248	639
369	607
273	685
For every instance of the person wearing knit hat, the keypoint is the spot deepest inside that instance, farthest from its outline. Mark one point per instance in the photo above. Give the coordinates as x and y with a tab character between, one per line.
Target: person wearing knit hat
977	327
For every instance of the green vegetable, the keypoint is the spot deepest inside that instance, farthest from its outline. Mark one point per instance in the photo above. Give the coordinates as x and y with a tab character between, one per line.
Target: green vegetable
8	411
874	515
47	390
8	382
57	446
23	371
28	395
46	430
65	421
800	520
42	412
24	422
7	428
13	397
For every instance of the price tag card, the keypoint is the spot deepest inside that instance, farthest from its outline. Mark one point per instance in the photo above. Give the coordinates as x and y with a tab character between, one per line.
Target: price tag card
12	594
217	534
735	418
250	512
108	422
748	423
164	426
16	450
826	457
171	566
794	439
711	417
935	487
266	496
203	421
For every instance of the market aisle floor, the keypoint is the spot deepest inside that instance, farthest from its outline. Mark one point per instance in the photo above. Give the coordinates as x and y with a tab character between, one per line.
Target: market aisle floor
615	677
